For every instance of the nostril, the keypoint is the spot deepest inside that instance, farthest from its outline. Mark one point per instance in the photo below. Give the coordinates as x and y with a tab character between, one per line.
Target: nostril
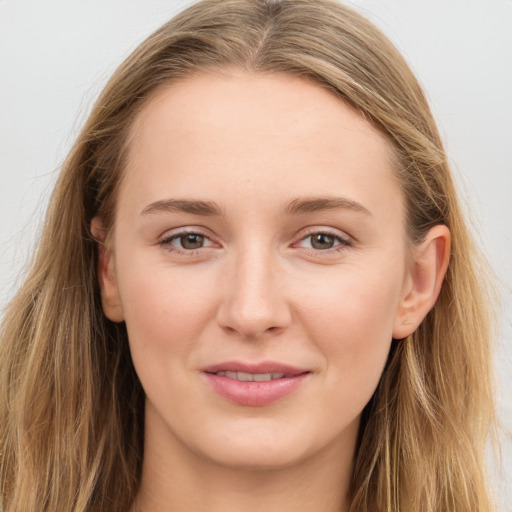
251	313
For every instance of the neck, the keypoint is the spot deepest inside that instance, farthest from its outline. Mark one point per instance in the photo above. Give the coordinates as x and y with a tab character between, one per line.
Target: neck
176	479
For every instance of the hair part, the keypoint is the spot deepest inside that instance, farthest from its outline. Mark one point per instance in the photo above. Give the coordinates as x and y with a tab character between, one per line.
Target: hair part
71	405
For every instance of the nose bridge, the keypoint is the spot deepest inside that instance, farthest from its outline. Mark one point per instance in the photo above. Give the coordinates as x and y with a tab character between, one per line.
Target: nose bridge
254	301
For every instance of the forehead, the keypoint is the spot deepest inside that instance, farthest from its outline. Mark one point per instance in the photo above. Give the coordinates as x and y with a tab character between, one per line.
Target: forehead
255	132
228	98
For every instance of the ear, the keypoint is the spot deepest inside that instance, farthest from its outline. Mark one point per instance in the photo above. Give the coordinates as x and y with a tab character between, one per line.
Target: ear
106	273
426	273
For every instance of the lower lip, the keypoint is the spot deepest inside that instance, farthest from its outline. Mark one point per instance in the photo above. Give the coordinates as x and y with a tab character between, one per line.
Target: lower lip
255	394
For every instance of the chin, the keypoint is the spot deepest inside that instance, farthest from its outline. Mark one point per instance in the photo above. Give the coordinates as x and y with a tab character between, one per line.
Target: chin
256	457
263	445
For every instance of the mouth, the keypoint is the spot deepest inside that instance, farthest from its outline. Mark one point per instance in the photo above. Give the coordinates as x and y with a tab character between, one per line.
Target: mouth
252	377
254	384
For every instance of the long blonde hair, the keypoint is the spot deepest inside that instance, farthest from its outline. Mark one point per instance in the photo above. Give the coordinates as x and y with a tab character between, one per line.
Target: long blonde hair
71	405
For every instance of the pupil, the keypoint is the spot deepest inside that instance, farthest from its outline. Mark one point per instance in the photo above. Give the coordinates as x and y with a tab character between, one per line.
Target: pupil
322	241
191	241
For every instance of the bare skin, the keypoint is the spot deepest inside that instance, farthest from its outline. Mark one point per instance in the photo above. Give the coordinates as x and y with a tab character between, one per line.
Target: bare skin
259	224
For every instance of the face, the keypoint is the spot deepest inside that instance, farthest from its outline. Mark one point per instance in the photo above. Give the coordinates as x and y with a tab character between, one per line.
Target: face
259	262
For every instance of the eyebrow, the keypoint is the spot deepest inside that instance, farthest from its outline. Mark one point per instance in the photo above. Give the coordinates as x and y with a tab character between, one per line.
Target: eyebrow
316	204
206	208
299	206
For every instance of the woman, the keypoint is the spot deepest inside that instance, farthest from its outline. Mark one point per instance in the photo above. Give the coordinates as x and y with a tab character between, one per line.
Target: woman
254	288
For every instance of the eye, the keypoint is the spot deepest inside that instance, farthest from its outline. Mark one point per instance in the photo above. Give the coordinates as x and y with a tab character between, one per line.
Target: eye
186	242
323	241
190	241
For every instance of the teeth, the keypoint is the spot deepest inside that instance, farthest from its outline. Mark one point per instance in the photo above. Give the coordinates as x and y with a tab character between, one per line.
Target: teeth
261	377
251	377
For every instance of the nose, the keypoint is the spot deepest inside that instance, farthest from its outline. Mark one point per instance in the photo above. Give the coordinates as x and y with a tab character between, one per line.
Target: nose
254	301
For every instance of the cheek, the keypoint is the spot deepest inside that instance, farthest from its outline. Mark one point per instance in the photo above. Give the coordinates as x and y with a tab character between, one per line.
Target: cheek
165	311
350	318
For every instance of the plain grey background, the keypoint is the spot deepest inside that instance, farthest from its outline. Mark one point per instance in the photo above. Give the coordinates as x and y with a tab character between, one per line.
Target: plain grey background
55	56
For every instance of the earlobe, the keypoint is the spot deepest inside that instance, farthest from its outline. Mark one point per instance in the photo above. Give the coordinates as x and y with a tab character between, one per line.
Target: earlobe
428	267
106	274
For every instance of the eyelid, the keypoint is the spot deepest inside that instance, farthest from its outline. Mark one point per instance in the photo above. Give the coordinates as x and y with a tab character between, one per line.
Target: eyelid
314	230
185	230
343	239
168	236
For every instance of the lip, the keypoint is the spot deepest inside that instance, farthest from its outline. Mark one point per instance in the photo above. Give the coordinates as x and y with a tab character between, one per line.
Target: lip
256	393
263	367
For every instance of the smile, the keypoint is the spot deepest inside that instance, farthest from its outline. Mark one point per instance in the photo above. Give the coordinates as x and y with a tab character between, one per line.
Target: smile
251	377
254	385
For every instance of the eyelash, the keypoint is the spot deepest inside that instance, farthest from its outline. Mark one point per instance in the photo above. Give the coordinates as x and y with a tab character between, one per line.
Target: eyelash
166	242
341	243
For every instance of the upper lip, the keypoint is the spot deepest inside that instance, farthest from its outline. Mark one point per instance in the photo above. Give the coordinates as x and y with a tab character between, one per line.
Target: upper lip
255	368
